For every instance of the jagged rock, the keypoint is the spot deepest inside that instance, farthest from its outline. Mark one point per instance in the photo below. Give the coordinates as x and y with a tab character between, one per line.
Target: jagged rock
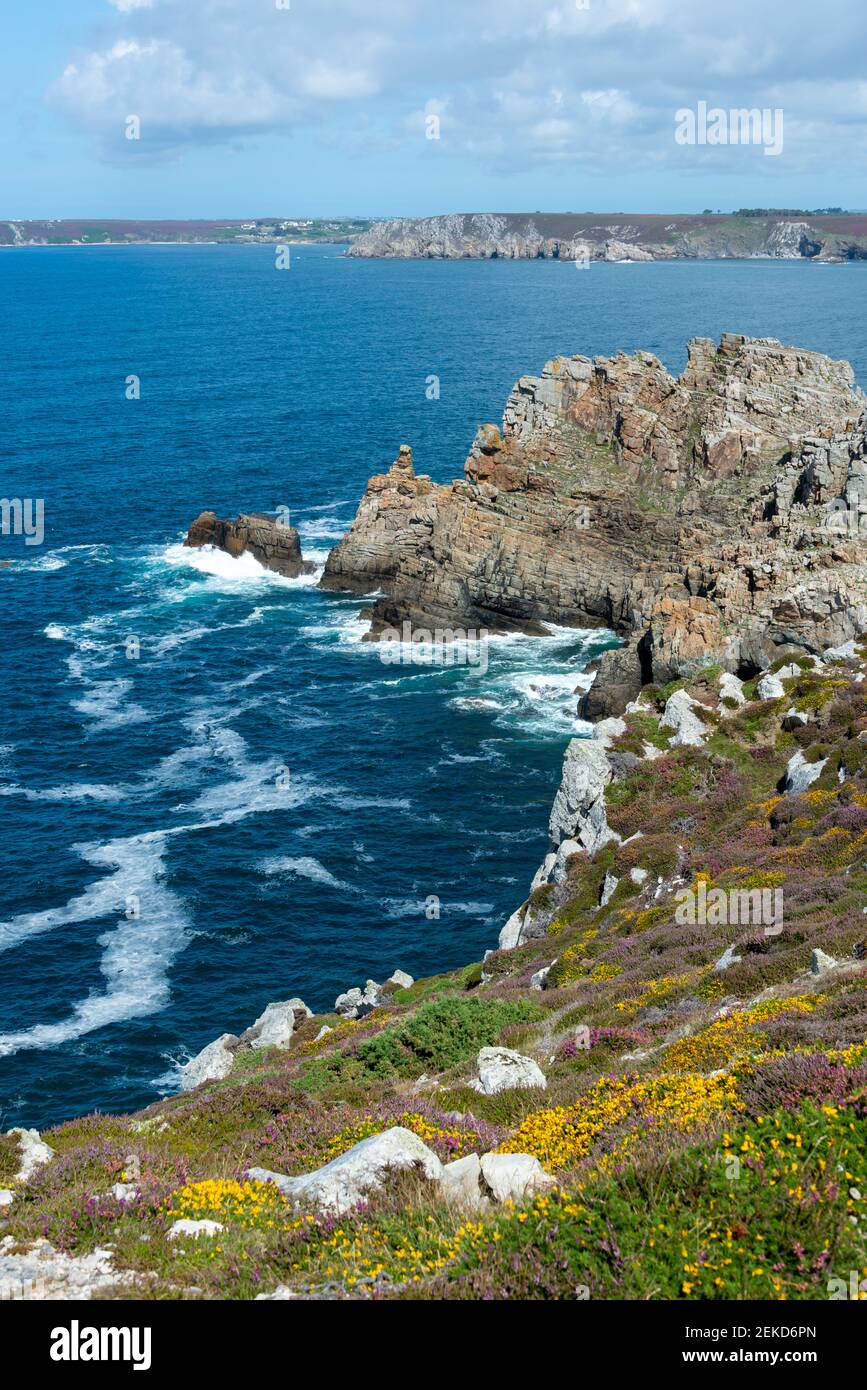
193	1229
274	1027
510	935
795	719
269	539
7	1197
401	979
679	715
578	812
323	1032
502	1069
609	885
357	1003
514	1177
800	774
770	687
33	1150
821	962
213	1063
347	1179
538	980
608	499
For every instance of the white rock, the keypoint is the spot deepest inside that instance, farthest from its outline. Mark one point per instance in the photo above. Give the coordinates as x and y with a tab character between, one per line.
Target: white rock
6	1197
194	1229
842	653
44	1273
679	716
537	981
274	1027
561	860
800	774
821	962
514	1176
348	1002
213	1063
638	875
727	958
357	1003
282	1294
502	1069
578	812
461	1182
325	1029
510	934
401	979
33	1150
343	1182
607	730
770	687
609	885
730	688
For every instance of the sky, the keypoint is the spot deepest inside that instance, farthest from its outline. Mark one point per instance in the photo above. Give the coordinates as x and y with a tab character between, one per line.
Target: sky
324	107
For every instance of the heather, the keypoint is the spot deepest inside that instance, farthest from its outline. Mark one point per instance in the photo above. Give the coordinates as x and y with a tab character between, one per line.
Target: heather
705	1110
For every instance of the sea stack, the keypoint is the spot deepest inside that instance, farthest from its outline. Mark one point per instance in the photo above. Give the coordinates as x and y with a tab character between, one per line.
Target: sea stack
269	539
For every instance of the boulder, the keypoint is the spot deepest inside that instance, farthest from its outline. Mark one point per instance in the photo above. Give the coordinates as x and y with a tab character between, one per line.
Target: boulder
356	1003
502	1069
680	716
730	688
193	1229
213	1063
400	979
821	962
347	1179
461	1183
7	1197
800	774
274	1027
770	687
514	1177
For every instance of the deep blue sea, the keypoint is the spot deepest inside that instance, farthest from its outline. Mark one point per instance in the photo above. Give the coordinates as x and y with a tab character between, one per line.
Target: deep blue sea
161	879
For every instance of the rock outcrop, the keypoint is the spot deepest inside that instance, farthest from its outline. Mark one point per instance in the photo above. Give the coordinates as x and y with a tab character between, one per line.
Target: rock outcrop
269	539
704	519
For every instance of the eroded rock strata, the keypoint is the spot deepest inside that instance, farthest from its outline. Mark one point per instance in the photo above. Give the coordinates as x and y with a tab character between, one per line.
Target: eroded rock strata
269	539
708	518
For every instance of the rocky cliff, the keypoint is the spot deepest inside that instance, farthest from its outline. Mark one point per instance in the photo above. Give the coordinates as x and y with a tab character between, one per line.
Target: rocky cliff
614	237
710	518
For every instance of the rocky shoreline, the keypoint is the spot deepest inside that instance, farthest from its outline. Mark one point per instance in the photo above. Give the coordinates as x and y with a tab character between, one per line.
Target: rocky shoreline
614	237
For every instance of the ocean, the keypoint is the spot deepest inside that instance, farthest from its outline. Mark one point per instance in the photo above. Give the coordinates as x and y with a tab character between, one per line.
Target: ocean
214	794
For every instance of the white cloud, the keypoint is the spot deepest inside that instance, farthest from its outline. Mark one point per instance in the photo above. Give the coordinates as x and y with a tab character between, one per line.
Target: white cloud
597	87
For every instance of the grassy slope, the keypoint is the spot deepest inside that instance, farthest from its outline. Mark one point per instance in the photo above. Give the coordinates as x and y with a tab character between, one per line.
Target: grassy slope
699	1155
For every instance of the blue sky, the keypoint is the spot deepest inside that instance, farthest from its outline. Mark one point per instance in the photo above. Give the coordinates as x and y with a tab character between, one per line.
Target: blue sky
322	107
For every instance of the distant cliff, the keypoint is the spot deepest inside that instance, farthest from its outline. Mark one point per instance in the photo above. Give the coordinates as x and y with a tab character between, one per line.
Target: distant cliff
615	237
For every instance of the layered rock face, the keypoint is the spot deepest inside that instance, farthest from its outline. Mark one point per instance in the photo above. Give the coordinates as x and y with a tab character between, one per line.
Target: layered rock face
269	539
708	518
609	237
